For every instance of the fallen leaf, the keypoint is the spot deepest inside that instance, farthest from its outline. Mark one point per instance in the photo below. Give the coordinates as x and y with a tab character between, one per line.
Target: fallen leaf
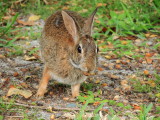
97	81
2	56
15	74
112	76
86	73
11	86
126	87
16	91
6	17
97	21
124	42
124	82
96	103
101	4
108	57
149	54
65	8
100	69
104	84
146	72
148	60
34	18
117	97
136	107
153	35
26	23
118	61
152	83
28	58
66	98
51	93
24	85
52	117
118	66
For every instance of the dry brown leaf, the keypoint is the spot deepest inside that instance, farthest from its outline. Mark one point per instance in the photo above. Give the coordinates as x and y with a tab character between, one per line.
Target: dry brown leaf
97	81
26	23
97	21
113	76
153	36
124	42
24	85
118	61
96	103
136	107
104	84
66	98
118	66
6	17
149	54
28	58
148	60
52	117
124	82
2	56
101	4
65	8
117	97
15	74
108	57
16	91
100	69
33	18
126	87
152	83
146	72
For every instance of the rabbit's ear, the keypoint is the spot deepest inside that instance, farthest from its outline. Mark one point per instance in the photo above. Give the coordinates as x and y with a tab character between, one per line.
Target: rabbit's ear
87	29
70	25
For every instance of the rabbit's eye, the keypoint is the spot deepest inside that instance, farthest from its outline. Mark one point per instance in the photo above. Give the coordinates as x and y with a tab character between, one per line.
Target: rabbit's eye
97	49
79	49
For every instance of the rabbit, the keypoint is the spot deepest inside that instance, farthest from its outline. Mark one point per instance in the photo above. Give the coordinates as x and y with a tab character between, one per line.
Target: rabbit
68	50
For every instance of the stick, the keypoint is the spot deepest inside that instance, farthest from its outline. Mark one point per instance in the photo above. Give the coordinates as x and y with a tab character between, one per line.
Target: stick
45	1
129	57
45	108
15	116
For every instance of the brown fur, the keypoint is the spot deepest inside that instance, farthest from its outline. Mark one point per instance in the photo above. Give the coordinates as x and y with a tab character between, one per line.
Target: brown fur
58	46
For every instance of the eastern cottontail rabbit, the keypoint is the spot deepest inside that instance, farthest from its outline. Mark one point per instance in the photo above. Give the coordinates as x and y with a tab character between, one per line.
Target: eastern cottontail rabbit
67	49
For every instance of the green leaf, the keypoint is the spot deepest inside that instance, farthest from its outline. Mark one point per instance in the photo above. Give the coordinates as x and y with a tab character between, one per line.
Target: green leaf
1	117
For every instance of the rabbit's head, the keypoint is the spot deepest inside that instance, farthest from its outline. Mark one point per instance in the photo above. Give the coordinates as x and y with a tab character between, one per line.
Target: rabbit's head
82	49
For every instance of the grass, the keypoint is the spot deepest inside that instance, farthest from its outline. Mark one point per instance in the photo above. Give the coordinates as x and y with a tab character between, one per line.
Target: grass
146	85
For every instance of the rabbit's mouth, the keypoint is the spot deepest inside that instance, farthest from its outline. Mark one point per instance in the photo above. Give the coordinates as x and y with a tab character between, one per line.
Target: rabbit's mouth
78	66
84	69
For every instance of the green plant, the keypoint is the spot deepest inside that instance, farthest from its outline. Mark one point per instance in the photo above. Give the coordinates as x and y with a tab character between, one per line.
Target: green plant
143	115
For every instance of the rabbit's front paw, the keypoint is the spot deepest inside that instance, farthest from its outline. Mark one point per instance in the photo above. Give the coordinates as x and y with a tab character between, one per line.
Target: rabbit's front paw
40	94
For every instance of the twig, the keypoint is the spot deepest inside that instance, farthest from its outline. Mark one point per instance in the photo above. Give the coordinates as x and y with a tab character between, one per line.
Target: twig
129	57
45	1
45	108
16	116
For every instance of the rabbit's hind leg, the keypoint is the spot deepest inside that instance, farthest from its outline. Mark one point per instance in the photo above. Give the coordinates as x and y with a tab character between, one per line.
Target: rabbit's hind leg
43	83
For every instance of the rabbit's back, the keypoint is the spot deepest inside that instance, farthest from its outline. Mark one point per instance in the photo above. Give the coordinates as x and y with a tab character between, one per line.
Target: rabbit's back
55	28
